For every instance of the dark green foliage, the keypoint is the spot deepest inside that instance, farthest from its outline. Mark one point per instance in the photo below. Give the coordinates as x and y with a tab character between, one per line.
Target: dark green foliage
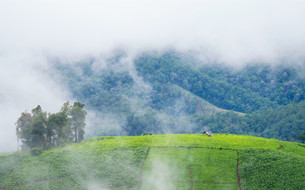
78	116
31	128
58	129
255	87
229	122
140	124
284	123
35	151
301	136
209	83
40	130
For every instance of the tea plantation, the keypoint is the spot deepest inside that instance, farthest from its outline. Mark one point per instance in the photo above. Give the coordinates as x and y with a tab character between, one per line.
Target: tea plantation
160	162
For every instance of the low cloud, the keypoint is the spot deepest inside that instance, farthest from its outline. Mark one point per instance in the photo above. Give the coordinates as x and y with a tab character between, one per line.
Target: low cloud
160	176
23	87
108	124
233	32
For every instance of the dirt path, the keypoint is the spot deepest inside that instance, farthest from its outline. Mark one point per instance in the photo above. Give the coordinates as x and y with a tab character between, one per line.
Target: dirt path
190	170
191	174
237	170
141	175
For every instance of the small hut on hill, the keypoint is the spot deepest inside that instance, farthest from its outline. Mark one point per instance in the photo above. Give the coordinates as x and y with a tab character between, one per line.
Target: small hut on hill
209	133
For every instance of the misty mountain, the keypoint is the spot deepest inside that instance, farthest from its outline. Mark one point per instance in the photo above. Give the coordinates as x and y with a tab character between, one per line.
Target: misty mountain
166	93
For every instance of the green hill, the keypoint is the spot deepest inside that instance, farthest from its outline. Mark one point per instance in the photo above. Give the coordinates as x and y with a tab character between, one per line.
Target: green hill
160	162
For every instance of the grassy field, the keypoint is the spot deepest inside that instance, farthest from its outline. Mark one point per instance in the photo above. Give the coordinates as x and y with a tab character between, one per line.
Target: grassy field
183	168
160	162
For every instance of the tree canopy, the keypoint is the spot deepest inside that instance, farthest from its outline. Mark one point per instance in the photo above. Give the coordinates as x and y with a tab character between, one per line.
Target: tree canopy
301	137
45	130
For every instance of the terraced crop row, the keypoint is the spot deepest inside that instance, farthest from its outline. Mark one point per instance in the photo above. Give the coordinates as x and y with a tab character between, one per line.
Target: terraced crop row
160	162
190	168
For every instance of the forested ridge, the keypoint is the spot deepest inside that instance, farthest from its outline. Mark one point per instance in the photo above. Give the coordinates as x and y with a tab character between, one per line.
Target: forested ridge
172	90
255	87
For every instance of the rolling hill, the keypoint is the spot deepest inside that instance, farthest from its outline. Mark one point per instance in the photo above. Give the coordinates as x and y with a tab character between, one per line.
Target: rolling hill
183	161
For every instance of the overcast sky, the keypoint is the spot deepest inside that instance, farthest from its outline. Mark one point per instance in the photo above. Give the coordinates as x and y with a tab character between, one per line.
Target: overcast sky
232	31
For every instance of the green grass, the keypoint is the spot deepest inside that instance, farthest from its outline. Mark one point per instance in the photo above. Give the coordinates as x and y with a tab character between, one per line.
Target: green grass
187	140
118	168
186	167
9	163
271	169
160	162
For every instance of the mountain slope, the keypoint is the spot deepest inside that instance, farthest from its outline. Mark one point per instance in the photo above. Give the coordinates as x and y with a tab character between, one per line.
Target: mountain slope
202	106
172	92
162	162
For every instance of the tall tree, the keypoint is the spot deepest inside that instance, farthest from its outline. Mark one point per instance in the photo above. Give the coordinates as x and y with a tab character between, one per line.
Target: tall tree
58	129
23	126
78	116
38	128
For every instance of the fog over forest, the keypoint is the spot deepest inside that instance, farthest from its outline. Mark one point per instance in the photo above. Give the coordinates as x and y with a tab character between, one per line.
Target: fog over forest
34	32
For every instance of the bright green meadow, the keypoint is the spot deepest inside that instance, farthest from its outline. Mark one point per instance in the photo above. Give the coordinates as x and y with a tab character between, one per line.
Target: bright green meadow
154	162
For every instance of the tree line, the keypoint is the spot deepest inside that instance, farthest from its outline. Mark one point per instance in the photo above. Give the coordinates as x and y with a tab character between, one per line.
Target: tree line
40	129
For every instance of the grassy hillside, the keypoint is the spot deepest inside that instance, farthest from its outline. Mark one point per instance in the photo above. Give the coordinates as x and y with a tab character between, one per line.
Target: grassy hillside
160	162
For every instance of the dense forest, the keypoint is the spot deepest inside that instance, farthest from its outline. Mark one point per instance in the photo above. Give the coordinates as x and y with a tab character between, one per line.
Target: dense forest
255	87
172	92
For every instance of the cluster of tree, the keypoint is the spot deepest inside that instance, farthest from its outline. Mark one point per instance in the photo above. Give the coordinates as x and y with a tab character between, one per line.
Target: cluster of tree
45	130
